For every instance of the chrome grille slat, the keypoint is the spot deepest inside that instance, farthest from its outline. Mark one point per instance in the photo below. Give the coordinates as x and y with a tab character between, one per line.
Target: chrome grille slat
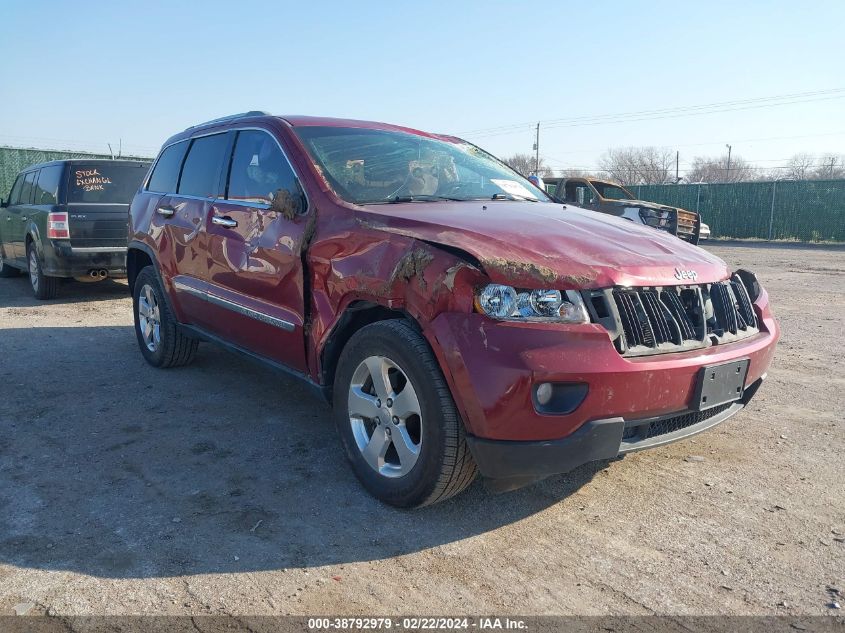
655	320
744	303
657	316
673	302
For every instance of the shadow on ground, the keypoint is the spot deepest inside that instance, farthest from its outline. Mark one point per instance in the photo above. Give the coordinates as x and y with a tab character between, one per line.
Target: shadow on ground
17	292
112	468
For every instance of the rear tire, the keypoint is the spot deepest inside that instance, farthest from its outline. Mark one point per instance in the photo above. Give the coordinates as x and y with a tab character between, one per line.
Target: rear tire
161	341
403	436
6	270
43	287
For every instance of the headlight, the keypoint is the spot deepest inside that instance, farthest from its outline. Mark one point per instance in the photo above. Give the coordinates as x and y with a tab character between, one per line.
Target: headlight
507	303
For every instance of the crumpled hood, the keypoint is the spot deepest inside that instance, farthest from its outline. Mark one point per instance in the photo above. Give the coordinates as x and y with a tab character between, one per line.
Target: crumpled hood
536	243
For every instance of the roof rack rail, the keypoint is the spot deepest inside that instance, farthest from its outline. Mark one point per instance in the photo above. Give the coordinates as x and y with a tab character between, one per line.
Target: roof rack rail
230	117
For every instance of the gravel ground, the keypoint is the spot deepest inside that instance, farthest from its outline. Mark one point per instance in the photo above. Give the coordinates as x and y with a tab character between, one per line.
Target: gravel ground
221	488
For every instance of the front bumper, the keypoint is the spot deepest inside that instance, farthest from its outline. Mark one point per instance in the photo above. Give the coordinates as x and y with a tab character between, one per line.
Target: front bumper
62	260
595	440
492	368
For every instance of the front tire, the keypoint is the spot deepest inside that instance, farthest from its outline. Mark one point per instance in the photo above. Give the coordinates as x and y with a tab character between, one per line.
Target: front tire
43	287
398	423
162	343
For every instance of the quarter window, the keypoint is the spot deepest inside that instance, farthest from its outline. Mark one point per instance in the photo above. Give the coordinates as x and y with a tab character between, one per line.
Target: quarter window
166	172
47	189
201	172
260	171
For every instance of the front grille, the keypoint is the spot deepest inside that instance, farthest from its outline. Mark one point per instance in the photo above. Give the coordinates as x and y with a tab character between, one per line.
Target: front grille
653	320
687	225
639	431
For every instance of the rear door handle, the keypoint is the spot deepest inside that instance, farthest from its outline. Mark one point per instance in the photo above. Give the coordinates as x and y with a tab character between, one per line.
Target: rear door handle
166	212
224	220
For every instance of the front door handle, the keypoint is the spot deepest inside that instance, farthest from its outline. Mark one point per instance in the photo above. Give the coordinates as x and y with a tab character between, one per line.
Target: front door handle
166	212
224	220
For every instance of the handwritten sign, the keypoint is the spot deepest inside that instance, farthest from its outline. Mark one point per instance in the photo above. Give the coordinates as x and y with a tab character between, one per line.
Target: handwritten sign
91	180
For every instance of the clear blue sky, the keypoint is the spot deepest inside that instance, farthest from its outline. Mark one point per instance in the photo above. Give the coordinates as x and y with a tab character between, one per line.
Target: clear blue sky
81	74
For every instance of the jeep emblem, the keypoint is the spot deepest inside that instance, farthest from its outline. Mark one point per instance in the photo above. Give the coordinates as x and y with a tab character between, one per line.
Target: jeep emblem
685	274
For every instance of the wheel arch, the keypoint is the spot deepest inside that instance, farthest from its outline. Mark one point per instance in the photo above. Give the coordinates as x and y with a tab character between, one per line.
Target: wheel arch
138	256
357	315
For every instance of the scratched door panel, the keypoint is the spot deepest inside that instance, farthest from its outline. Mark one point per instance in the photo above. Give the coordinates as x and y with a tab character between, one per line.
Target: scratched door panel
256	265
181	249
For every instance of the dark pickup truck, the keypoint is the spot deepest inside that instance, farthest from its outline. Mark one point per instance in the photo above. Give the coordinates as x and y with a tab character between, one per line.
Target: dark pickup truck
68	218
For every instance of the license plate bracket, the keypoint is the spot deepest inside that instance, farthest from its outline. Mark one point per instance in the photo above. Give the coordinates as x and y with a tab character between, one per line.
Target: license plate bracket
720	384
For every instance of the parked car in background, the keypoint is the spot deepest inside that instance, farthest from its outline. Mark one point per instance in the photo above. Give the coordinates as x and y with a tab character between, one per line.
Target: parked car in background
67	219
608	197
458	321
704	232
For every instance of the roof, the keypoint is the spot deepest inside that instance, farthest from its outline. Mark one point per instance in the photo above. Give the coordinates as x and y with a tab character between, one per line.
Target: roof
88	161
298	121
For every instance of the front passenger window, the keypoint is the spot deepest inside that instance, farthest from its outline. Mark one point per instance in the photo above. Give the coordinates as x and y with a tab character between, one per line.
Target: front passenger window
260	171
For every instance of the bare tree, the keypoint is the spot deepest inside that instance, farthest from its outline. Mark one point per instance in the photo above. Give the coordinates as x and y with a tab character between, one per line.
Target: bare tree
525	164
830	167
578	173
801	167
638	165
707	169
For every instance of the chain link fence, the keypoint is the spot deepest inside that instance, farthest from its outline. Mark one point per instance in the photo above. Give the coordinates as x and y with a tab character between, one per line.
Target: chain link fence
14	159
804	210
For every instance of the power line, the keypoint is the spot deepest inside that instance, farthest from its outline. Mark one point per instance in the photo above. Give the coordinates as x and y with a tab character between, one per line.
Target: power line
670	110
676	112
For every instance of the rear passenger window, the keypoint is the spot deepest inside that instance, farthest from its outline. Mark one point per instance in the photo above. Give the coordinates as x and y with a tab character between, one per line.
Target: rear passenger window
47	188
15	195
201	172
166	172
259	170
28	187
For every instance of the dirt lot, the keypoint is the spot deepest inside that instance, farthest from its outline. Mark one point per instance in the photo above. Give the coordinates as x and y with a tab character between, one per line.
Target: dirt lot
220	488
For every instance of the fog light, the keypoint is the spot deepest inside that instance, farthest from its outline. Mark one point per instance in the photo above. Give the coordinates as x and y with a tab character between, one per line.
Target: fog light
558	398
544	393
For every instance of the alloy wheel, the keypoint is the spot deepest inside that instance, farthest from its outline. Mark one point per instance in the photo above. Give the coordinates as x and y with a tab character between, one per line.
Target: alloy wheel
385	416
149	318
33	269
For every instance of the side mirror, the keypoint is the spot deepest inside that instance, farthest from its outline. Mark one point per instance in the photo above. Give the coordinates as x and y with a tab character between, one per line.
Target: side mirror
288	204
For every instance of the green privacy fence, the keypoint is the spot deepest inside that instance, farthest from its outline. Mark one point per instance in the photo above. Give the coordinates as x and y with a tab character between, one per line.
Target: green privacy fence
14	159
805	210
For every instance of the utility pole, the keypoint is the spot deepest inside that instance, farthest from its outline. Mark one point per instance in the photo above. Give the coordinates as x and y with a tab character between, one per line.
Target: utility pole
677	160
728	169
537	151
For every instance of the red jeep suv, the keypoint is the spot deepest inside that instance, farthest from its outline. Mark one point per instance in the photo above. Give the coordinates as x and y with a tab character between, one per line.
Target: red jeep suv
459	320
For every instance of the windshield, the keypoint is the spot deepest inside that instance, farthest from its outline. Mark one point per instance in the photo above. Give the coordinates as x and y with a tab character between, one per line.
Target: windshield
105	183
611	192
366	166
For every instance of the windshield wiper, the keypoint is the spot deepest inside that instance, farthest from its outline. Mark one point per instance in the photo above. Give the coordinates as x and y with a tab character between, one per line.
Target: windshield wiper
422	198
512	196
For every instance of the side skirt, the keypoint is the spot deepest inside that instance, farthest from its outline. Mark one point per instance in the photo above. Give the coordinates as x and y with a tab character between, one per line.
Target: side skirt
202	335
